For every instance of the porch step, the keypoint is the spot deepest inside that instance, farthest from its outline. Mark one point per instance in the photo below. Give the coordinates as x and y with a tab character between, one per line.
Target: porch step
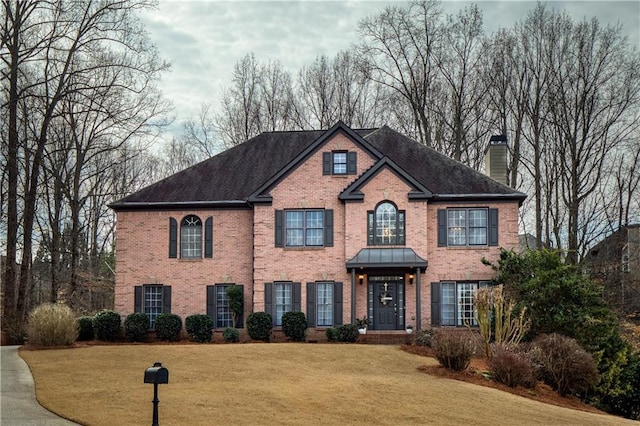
386	338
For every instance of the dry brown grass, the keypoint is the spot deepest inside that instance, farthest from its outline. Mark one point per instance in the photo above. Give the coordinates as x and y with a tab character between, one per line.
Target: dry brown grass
261	384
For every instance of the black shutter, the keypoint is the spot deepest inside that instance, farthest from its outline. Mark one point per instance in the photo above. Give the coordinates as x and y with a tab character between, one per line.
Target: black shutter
211	304
297	297
173	238
138	300
337	304
240	323
442	228
435	303
326	163
268	301
279	228
311	304
370	230
352	165
208	237
493	227
328	228
166	299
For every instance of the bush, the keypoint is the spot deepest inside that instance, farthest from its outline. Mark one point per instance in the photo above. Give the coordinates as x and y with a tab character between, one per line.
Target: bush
106	325
231	335
424	336
332	334
563	364
199	327
453	349
168	327
294	325
85	328
259	325
348	333
136	326
511	367
52	324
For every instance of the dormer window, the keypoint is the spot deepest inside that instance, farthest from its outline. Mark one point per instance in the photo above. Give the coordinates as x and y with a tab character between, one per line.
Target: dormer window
339	163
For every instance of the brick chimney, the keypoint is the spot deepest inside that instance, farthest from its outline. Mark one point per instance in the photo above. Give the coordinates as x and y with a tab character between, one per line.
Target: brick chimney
495	158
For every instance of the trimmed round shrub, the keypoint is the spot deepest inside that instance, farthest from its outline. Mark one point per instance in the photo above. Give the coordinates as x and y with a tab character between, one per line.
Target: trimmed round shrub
424	336
332	334
231	335
453	349
52	324
199	327
511	367
563	364
136	326
348	333
106	325
168	327
259	325
85	328
294	325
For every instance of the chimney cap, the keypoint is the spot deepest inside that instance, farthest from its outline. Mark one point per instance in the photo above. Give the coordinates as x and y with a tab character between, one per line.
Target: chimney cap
498	139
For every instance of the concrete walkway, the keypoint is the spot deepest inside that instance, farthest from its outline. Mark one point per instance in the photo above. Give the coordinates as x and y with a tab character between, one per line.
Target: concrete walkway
18	404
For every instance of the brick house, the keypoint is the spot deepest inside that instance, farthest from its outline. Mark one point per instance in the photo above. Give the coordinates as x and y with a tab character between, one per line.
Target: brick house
339	224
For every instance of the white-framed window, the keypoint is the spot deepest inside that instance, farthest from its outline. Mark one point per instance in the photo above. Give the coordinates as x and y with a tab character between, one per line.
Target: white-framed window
304	228
386	225
283	300
324	304
467	227
191	237
456	302
152	302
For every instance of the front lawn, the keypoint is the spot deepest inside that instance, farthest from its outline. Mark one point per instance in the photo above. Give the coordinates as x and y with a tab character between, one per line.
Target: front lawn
274	384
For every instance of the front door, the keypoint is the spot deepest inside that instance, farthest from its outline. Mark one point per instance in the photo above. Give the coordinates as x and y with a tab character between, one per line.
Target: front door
386	302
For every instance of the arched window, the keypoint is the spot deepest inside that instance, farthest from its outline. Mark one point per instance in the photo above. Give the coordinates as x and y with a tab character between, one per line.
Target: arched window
191	238
386	225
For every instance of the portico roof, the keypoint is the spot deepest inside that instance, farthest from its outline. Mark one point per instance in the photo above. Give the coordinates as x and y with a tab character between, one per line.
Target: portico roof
387	257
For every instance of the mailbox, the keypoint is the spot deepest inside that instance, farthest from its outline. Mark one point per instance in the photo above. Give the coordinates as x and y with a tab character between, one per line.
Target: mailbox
157	374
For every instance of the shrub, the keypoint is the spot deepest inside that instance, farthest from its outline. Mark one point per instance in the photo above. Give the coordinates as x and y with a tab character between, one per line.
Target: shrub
564	364
168	327
236	302
85	328
231	335
332	334
14	328
294	325
199	327
424	336
453	349
348	333
136	326
52	324
106	325
259	325
511	367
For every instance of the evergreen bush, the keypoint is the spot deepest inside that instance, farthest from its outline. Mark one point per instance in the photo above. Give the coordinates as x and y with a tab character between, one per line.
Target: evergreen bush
168	327
52	324
199	327
424	336
85	328
294	325
136	326
259	325
332	334
231	335
106	325
348	333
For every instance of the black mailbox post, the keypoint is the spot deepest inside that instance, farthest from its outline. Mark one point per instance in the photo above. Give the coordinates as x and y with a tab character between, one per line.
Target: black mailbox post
156	375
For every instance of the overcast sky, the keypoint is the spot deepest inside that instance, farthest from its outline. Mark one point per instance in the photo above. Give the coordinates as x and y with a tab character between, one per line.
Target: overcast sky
204	39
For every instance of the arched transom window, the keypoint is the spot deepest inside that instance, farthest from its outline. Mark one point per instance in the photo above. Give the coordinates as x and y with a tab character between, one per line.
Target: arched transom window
386	225
191	237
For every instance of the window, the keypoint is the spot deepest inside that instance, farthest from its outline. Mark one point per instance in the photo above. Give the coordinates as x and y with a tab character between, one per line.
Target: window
339	163
324	304
385	225
218	306
152	299
191	238
459	227
281	297
452	302
304	228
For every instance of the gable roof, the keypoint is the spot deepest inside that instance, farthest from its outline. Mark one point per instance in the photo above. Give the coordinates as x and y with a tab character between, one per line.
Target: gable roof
243	174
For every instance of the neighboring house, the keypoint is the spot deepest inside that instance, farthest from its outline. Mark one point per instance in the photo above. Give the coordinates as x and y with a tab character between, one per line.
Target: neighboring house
615	263
338	224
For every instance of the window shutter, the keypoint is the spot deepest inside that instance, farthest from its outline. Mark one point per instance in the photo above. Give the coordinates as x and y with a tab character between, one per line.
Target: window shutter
138	299
326	163
352	165
435	303
166	299
337	304
211	303
370	230
442	228
240	323
328	228
279	228
493	227
208	237
296	302
311	304
173	238
268	301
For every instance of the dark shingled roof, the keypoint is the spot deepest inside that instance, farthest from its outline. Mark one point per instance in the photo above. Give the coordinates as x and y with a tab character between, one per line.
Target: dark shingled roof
232	177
